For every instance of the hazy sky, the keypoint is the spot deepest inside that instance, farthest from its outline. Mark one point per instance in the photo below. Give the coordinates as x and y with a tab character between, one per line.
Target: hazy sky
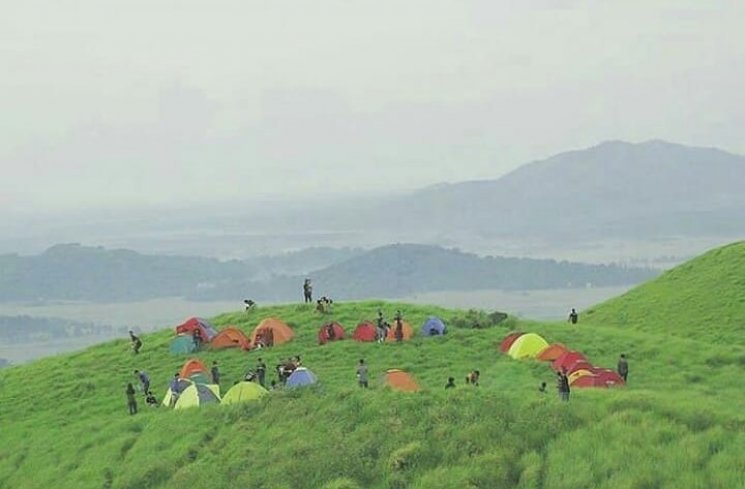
137	103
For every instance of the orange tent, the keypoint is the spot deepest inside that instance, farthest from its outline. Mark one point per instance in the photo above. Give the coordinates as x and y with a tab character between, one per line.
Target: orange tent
406	328
191	367
552	352
401	381
231	337
272	331
504	347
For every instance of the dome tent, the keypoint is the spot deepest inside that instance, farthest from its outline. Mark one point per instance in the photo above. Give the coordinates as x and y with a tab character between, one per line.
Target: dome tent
433	326
527	346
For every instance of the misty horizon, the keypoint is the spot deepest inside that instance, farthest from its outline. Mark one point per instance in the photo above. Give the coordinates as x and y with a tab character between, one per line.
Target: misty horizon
148	106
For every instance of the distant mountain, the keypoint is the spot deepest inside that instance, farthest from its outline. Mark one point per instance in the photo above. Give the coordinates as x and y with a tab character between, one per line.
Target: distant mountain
80	273
399	270
613	189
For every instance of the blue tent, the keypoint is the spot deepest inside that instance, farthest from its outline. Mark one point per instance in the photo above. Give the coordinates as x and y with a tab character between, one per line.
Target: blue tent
433	326
301	377
182	345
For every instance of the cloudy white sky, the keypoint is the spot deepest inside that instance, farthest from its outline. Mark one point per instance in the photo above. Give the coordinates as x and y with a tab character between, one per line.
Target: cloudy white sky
154	102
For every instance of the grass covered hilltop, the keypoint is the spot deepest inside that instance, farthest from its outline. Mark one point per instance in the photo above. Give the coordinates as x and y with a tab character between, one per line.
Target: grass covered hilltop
679	423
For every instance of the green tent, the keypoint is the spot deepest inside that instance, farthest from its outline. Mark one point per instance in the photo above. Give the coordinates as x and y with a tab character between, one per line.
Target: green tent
243	392
197	395
527	346
182	345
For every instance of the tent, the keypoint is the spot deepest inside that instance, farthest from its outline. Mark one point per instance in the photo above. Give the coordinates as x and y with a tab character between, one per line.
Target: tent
231	337
200	378
566	360
609	377
504	347
580	364
182	385
182	345
406	328
301	377
191	367
599	378
197	395
272	331
205	328
577	374
527	346
399	380
244	392
365	331
323	333
433	326
552	352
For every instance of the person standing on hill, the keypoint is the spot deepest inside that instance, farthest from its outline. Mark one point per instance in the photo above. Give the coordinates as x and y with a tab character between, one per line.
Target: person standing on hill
307	291
362	378
573	316
144	380
623	367
136	342
261	371
399	332
175	389
197	337
131	401
562	384
215	373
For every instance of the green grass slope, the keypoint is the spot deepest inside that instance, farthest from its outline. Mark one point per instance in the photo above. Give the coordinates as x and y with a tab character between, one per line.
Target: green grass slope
64	424
703	298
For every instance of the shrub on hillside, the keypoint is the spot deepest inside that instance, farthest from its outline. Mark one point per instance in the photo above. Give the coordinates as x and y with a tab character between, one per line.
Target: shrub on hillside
474	319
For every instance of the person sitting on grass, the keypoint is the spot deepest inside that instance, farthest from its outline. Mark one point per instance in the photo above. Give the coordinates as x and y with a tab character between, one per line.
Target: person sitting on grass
451	383
151	400
131	401
542	388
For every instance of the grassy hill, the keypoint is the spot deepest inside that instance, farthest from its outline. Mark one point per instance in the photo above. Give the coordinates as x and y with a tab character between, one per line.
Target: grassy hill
703	298
679	423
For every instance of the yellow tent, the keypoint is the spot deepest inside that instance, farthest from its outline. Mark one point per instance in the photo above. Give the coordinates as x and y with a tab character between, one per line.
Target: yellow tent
527	346
243	392
577	374
198	395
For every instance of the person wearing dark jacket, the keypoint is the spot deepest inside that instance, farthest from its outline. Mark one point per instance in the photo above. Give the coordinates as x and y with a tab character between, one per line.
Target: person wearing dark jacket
451	383
261	372
136	342
215	373
131	401
623	367
562	384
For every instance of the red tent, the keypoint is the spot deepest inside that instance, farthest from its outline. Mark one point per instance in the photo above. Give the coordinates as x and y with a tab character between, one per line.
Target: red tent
365	331
609	377
205	328
566	360
580	365
508	340
325	333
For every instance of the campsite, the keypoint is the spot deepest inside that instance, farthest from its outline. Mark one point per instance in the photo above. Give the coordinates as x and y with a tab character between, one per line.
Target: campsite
677	423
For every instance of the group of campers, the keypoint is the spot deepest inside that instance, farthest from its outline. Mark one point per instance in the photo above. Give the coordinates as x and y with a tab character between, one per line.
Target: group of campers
285	368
